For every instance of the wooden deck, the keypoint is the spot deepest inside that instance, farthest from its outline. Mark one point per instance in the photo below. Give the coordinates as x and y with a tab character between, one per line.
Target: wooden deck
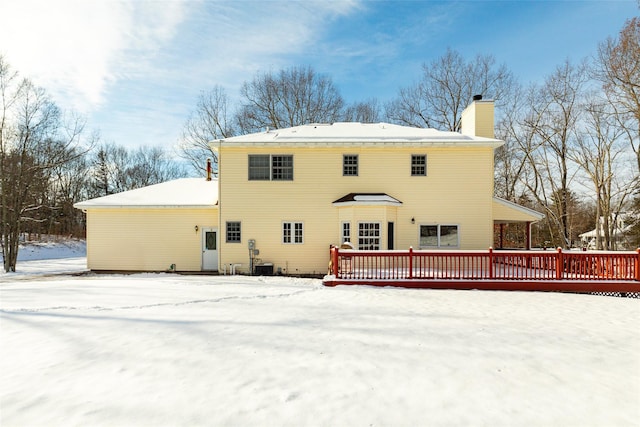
557	271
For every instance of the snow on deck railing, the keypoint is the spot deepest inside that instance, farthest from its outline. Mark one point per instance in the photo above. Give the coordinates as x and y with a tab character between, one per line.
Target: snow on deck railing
489	264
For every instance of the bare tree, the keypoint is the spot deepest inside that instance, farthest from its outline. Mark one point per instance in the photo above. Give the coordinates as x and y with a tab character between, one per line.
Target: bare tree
512	158
618	68
447	86
151	165
368	111
551	127
292	97
115	169
601	153
33	139
210	120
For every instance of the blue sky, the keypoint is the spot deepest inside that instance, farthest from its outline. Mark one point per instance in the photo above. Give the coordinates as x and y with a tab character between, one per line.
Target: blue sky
135	67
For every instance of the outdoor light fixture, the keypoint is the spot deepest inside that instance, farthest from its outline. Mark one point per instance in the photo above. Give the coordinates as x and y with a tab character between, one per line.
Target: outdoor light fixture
196	228
413	220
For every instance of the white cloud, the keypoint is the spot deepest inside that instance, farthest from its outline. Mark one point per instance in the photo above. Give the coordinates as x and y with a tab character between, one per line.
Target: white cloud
76	48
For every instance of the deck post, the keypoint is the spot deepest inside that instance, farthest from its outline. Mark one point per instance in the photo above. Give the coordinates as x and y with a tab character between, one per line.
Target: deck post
559	264
638	265
335	259
410	262
490	262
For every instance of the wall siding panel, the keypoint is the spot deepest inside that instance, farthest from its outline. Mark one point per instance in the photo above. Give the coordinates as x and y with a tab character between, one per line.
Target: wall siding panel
147	239
458	189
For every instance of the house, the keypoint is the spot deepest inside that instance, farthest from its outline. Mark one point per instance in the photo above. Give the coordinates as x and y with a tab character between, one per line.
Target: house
620	226
284	196
168	226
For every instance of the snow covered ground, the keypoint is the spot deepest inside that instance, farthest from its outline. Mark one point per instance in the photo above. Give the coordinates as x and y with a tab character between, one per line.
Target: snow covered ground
170	350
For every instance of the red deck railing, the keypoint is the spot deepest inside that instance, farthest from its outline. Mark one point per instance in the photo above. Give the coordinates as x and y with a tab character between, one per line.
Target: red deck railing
489	264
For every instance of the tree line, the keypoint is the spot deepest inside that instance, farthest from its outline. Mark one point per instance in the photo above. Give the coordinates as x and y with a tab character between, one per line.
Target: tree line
572	142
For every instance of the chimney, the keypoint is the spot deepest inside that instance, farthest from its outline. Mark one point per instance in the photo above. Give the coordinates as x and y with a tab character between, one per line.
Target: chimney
208	169
477	118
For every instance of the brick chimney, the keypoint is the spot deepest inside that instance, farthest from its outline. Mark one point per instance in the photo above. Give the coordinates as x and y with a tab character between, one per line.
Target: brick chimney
477	118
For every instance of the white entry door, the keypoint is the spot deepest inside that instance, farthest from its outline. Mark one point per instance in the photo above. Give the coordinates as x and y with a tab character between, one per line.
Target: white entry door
210	249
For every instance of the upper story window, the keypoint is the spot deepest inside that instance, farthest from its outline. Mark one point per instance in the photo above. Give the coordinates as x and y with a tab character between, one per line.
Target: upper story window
418	165
282	168
350	165
267	167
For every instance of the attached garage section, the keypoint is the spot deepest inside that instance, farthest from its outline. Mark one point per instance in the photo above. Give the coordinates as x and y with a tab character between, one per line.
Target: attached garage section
165	227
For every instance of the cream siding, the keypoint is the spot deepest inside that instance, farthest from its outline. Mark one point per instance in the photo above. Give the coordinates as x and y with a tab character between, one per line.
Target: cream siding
478	119
147	239
457	190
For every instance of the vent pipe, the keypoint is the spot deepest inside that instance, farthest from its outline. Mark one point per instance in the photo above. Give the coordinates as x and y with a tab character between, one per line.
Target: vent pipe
208	169
477	97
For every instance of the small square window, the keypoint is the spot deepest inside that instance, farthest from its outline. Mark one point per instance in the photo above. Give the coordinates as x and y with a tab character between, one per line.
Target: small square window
233	232
419	165
350	165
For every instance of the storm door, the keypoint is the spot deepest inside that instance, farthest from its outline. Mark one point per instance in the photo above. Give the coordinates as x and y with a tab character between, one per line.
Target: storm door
210	249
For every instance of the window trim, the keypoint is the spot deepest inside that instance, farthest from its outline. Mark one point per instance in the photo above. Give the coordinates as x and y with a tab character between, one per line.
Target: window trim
413	165
439	236
293	233
355	165
227	233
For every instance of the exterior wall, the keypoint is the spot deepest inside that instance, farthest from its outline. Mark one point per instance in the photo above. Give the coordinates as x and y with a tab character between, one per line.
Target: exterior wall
146	239
458	190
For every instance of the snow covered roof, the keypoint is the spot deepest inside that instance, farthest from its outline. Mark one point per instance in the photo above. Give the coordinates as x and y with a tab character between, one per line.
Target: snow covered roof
367	199
179	193
357	134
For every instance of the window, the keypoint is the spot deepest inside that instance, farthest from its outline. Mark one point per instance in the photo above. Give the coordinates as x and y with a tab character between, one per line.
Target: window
265	167
233	232
439	236
369	236
346	232
350	165
259	169
210	240
418	165
282	168
292	232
